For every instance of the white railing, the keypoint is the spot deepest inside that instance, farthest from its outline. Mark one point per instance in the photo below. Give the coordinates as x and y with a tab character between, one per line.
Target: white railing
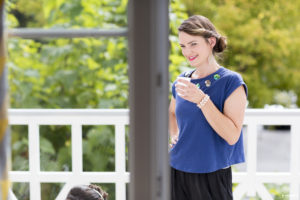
250	181
76	118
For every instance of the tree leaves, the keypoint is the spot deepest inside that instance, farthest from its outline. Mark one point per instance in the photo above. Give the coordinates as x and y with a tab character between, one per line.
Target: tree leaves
68	73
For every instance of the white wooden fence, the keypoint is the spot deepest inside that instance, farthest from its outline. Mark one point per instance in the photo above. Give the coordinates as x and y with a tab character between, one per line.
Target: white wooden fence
76	118
250	181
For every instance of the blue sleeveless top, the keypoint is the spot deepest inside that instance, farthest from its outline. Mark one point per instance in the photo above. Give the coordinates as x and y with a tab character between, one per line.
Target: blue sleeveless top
199	148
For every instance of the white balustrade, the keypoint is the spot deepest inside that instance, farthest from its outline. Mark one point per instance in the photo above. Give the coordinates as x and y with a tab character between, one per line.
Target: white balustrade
76	118
249	182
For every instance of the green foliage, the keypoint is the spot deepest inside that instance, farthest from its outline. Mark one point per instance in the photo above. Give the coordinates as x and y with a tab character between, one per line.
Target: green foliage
21	190
67	73
263	43
98	148
50	190
55	148
19	148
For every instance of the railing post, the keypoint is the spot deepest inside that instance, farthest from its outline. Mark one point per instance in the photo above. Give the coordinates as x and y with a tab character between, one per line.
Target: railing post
294	163
77	165
120	160
34	161
251	157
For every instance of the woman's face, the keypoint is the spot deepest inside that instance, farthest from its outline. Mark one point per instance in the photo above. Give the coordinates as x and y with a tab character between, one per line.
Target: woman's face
195	48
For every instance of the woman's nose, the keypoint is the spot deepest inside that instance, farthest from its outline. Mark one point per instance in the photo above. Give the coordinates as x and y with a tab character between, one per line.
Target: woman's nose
187	52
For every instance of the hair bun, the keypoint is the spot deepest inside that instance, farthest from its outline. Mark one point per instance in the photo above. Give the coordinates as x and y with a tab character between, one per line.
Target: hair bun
221	44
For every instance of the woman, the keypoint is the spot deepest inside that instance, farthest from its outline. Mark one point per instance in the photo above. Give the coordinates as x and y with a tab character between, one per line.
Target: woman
205	117
87	192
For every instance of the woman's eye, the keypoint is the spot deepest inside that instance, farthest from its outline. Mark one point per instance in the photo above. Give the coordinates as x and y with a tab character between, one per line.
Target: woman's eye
193	44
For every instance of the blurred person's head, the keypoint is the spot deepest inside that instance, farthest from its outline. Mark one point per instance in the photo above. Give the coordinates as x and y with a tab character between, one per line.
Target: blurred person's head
87	192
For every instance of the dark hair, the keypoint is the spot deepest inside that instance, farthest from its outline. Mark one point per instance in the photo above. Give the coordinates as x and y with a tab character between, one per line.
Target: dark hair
87	192
201	26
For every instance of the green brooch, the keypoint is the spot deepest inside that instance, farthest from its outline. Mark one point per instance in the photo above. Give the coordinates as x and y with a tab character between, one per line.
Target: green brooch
216	76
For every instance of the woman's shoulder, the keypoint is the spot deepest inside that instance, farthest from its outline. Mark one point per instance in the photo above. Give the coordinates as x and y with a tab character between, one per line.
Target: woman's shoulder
232	80
230	74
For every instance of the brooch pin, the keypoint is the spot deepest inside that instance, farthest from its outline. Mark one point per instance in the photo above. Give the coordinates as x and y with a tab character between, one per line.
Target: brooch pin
207	83
216	76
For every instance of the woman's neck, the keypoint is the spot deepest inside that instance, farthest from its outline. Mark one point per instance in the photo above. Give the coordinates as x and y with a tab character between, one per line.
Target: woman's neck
205	70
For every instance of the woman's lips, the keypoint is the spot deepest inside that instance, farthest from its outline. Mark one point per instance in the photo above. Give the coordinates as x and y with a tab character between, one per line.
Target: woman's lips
191	58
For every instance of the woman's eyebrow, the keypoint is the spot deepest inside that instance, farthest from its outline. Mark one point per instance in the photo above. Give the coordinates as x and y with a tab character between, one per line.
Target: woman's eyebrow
192	41
188	42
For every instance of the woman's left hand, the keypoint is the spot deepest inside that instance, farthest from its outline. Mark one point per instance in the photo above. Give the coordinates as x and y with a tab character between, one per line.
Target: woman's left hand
189	91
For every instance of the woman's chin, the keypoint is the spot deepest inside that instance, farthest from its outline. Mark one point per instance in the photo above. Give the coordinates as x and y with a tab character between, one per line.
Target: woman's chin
192	64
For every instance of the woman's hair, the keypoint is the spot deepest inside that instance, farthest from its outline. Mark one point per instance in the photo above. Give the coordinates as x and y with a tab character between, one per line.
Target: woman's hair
201	26
87	192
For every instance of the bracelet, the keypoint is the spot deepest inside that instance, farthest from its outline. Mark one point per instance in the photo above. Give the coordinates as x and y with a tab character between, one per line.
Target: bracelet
203	101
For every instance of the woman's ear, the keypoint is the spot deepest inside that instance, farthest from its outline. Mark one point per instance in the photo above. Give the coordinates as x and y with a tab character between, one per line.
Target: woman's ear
212	42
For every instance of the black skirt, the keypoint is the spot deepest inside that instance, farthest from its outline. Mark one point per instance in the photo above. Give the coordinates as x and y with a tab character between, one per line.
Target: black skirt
201	186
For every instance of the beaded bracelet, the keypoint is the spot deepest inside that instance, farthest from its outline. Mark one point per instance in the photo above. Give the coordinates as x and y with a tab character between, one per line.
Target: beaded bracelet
203	101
